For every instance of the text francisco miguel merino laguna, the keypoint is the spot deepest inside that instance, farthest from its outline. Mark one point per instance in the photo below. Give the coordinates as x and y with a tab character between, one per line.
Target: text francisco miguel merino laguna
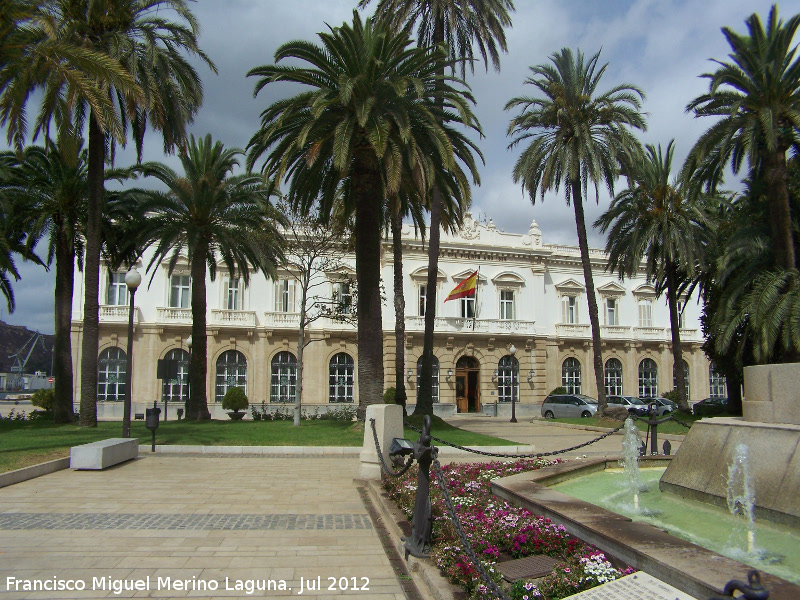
248	586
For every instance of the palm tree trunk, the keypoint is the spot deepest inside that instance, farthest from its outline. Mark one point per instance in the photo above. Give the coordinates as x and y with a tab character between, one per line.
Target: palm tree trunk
780	216
367	194
301	344
399	311
677	350
583	244
62	347
197	407
91	308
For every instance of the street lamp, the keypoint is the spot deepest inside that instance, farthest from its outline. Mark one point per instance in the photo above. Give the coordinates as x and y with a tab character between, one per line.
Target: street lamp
132	280
512	351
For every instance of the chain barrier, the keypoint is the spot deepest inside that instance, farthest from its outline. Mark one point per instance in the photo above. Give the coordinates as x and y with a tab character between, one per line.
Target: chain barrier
687	425
386	469
537	455
490	583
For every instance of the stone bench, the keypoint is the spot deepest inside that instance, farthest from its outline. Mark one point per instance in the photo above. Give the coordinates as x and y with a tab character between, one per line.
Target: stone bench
103	454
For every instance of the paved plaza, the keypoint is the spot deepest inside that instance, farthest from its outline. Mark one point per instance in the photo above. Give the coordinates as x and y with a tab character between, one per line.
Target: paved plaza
209	526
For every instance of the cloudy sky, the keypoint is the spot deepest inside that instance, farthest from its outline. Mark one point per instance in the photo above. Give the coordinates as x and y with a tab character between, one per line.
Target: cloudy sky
661	46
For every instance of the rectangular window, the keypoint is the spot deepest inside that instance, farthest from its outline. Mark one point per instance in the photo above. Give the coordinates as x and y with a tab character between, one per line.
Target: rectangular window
507	305
611	311
117	292
468	307
645	313
570	309
234	296
284	296
423	294
180	287
344	299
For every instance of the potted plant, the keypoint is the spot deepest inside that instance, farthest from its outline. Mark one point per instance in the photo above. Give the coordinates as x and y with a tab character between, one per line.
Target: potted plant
235	400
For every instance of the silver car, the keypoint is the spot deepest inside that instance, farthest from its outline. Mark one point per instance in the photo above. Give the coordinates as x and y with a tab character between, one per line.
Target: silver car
560	406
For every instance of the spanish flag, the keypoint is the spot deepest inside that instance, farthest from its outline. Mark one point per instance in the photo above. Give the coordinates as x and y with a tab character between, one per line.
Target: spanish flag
465	288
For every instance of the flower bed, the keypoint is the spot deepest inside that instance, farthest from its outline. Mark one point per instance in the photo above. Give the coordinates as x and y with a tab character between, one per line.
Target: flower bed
498	530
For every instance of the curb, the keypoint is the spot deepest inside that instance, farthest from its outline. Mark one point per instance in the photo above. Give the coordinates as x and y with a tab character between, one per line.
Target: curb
33	471
344	451
667	436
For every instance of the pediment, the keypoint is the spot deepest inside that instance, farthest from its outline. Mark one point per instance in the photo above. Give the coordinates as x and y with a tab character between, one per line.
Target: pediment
645	290
508	278
570	286
343	273
464	274
612	288
421	274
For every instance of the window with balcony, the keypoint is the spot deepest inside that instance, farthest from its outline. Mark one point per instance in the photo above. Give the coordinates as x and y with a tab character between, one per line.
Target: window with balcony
507	305
234	295
645	312
180	290
343	297
112	368
648	379
341	378
283	378
423	294
117	291
569	305
571	375
468	307
434	378
611	312
507	379
231	372
284	296
717	384
613	377
177	390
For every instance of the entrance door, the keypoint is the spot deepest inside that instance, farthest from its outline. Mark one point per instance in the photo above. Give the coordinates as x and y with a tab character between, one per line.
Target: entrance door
468	395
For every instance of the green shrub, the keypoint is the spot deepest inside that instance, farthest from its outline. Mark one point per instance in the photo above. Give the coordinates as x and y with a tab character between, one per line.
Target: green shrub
235	399
44	399
671	395
388	395
559	390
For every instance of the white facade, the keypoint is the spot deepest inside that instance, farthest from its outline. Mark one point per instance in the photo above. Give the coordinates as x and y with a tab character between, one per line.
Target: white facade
530	296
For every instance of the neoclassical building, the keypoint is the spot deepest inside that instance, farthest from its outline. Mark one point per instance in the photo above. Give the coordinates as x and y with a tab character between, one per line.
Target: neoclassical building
525	332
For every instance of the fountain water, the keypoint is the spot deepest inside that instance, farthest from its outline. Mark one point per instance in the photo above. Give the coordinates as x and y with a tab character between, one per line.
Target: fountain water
741	495
630	459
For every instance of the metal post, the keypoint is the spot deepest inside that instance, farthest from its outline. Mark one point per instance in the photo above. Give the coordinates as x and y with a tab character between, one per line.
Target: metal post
654	428
126	414
514	377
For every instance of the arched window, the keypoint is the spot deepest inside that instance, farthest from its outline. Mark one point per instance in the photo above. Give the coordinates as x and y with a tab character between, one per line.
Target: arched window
571	375
685	377
231	372
648	379
177	390
434	378
341	378
613	377
507	379
717	384
112	367
283	379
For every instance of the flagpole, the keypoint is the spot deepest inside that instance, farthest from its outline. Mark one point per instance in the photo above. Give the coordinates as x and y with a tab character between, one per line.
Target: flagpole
477	283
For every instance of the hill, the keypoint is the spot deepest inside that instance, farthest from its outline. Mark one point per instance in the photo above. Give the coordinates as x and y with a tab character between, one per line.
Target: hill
12	340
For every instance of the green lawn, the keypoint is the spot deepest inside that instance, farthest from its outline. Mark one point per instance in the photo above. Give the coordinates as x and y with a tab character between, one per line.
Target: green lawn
24	443
668	427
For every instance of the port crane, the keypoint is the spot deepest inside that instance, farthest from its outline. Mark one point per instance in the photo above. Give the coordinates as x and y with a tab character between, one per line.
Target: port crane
21	359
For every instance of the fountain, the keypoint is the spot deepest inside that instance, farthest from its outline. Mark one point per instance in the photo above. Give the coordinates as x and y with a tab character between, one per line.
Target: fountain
630	459
741	496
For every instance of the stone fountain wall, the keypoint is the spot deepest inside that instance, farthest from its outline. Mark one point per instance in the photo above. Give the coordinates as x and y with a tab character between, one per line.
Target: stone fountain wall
770	428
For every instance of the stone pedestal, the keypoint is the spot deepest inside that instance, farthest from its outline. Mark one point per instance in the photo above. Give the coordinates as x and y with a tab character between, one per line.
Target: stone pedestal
772	393
389	425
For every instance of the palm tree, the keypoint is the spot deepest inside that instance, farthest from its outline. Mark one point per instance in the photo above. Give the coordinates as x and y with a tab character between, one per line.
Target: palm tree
459	25
369	117
755	98
211	215
148	79
577	135
662	222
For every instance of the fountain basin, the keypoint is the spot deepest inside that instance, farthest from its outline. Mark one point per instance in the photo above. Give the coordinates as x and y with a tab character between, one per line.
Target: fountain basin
686	566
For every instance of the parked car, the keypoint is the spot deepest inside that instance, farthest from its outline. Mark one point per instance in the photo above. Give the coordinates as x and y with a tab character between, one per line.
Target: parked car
665	406
710	406
559	406
632	404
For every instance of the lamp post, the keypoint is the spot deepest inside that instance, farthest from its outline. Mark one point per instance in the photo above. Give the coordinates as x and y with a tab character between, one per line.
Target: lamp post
512	351
132	280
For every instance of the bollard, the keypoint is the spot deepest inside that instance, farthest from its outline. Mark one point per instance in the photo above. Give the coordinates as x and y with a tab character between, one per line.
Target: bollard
419	543
151	421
